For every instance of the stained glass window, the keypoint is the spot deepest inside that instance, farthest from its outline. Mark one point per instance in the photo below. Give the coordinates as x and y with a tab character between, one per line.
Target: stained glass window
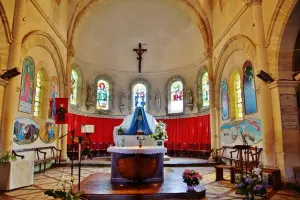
53	95
238	97
74	82
176	97
102	95
38	94
139	95
205	90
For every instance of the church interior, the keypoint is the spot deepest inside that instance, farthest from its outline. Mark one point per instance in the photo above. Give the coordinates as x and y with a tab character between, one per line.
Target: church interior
149	99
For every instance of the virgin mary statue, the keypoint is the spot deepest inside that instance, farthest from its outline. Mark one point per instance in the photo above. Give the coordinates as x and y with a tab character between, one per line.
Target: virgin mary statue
139	122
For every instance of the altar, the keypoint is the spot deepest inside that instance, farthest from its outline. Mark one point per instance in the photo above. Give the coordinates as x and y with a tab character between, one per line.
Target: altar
136	156
137	164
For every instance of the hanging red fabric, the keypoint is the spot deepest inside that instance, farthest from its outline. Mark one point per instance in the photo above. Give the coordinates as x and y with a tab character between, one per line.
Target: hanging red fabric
182	130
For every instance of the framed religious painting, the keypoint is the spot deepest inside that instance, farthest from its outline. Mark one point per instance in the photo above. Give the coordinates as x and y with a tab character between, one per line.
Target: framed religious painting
53	95
224	100
249	90
27	85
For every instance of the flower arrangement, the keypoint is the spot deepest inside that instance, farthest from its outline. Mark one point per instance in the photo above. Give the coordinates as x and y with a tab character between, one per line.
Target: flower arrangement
191	177
7	157
121	131
63	194
160	132
251	185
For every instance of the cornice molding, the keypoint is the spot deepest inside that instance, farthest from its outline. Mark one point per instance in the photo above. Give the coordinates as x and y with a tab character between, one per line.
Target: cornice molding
283	83
41	11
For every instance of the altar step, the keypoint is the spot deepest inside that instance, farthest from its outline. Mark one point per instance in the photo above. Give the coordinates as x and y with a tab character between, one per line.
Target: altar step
168	162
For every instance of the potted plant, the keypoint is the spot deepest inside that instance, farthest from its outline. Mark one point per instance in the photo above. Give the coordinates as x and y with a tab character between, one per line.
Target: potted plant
65	193
251	184
121	131
86	153
160	134
191	178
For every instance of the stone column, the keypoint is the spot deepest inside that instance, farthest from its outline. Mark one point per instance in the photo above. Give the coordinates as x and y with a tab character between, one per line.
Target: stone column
10	92
213	134
64	127
264	102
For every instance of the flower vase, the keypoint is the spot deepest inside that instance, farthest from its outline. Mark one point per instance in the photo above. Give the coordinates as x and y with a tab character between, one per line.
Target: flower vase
190	187
159	142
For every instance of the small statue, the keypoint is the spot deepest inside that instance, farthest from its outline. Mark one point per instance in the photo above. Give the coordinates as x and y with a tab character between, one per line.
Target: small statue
157	100
91	96
188	98
122	104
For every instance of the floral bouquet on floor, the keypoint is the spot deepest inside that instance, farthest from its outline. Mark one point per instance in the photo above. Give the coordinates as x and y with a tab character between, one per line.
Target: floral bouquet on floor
160	133
251	184
191	177
65	193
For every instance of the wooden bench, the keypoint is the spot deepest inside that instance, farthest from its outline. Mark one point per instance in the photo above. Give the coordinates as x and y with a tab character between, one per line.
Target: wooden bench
40	160
219	172
275	177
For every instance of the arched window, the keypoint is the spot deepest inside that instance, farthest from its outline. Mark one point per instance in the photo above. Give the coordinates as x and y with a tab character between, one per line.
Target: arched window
205	90
238	97
102	95
176	97
53	95
74	84
139	96
236	102
38	95
249	92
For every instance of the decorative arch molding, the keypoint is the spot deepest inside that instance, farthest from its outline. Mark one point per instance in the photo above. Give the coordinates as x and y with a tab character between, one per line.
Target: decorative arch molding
80	81
199	91
200	19
148	95
281	39
168	93
44	40
5	23
234	44
111	98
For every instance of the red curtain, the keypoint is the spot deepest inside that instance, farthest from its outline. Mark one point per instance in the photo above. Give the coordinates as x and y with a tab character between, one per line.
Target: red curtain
189	130
182	130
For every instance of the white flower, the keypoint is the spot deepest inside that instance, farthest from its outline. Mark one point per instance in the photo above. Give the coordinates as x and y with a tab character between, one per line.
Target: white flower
163	138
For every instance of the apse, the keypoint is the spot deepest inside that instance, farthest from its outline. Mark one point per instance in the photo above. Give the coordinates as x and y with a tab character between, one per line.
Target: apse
109	31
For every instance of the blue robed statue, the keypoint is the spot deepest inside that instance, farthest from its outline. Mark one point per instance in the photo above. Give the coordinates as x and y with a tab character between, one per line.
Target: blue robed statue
139	123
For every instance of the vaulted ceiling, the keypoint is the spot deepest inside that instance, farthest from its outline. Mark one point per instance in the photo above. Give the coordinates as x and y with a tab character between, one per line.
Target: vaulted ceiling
104	32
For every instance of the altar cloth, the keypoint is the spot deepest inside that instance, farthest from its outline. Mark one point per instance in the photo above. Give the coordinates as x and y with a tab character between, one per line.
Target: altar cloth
137	150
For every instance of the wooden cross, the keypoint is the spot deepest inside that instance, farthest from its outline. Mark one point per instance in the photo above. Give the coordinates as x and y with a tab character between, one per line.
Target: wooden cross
140	52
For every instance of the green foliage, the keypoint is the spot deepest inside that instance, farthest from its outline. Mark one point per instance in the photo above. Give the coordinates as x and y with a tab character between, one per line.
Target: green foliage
121	131
160	132
86	151
63	194
7	157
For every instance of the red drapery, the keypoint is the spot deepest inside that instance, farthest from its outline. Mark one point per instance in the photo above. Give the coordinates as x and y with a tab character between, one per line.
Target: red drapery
182	130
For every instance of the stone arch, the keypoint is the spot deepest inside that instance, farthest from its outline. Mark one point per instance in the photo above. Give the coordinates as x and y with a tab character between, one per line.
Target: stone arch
200	19
199	91
111	91
281	39
148	95
234	44
44	40
5	24
168	93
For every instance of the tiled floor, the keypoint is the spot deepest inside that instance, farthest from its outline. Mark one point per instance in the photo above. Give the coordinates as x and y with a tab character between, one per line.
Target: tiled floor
214	190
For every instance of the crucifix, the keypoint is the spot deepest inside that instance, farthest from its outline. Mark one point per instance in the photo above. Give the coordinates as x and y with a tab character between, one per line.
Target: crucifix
140	52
